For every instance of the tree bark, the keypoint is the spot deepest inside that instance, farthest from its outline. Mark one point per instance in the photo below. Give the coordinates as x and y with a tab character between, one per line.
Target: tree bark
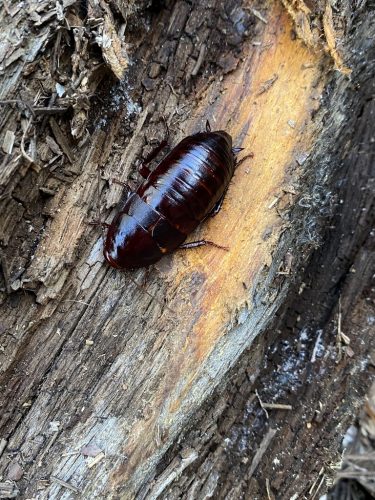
118	390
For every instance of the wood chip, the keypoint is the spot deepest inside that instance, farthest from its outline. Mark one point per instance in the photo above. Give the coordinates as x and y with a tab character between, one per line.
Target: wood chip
200	60
8	142
259	16
261	451
96	460
3	444
173	471
267	85
63	483
8	489
15	471
47	191
53	146
301	158
61	140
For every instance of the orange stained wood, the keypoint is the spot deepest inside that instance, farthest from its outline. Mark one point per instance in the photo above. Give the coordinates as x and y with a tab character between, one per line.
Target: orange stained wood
266	107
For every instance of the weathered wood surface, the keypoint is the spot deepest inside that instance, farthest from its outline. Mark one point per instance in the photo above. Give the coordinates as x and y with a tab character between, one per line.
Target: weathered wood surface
86	356
318	357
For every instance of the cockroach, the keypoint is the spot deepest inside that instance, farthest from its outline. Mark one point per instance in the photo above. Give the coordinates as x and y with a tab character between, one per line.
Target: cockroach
185	188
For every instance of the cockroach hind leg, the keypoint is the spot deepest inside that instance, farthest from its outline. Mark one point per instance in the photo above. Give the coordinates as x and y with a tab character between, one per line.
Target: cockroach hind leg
208	126
143	169
130	186
201	243
98	223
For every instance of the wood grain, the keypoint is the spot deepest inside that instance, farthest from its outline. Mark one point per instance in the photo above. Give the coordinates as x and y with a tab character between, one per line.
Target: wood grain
90	358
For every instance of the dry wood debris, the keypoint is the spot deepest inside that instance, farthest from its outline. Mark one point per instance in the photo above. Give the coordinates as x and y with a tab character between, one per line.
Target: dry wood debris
68	75
320	27
358	464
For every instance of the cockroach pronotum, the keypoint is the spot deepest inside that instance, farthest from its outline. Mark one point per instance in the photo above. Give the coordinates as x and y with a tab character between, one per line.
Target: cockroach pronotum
185	188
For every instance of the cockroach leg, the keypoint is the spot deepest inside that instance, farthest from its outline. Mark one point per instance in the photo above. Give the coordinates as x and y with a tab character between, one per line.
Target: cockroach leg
143	169
99	223
208	126
238	163
129	186
155	152
201	243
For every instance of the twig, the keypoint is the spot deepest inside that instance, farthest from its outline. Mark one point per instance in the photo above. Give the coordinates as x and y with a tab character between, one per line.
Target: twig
49	444
98	201
316	480
261	451
18	101
348	474
365	456
55	110
273	203
63	483
259	16
172	89
268	489
318	488
96	460
277	406
261	404
70	453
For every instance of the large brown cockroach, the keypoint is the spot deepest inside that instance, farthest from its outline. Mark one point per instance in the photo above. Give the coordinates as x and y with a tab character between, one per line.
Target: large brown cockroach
186	187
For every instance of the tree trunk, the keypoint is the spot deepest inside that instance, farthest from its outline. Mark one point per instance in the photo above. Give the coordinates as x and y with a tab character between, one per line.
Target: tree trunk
112	388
